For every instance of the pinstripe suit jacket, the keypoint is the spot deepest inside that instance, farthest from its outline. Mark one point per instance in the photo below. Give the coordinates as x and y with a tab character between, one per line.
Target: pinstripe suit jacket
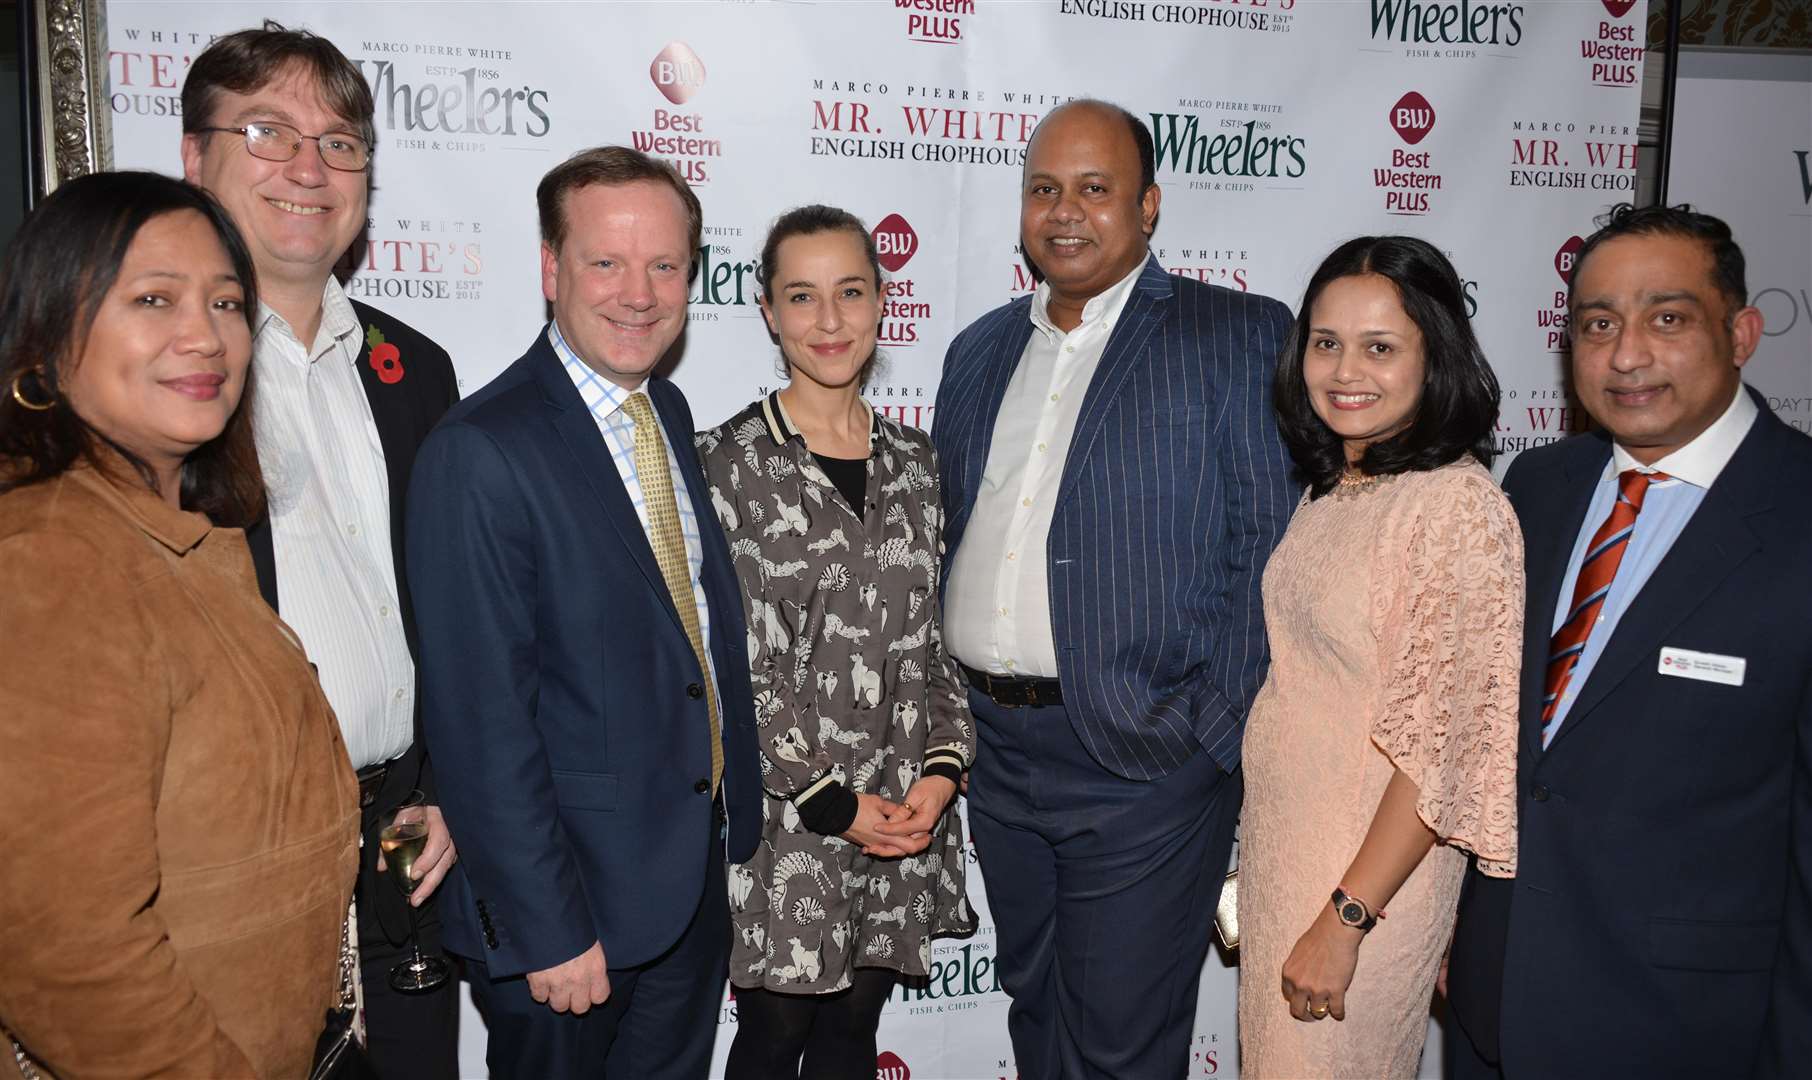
1175	490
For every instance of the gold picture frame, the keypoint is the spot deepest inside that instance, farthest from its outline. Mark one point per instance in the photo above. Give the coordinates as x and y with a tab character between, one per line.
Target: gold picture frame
71	130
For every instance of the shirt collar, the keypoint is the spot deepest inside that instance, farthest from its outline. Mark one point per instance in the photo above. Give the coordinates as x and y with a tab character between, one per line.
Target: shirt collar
338	322
782	429
603	397
1700	461
1105	305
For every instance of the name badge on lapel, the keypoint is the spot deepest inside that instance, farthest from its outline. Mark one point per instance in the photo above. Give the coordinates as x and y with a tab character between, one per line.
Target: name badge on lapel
1704	666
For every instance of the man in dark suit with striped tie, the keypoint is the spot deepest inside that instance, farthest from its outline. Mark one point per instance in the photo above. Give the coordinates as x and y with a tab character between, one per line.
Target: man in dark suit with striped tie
1660	923
1114	482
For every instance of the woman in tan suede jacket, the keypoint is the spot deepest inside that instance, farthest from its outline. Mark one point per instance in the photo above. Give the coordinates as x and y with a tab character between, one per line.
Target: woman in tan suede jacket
178	821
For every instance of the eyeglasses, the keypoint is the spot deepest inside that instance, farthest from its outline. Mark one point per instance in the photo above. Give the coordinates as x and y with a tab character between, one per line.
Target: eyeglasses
280	142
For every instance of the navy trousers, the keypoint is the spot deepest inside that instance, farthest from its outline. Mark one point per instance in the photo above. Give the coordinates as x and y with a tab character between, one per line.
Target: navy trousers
659	1024
1102	891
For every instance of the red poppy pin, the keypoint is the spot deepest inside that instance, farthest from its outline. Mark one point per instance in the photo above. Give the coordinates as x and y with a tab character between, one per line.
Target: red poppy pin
386	359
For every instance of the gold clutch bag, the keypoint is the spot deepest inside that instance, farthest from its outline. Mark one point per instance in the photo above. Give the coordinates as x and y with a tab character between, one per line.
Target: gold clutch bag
1226	912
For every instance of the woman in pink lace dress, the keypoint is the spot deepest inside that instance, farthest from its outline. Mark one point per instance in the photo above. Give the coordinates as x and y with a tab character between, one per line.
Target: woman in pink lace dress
1381	752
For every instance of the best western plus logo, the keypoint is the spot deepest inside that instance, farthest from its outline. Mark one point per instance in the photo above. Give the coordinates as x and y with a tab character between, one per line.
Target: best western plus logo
935	22
679	137
1410	178
1551	320
1423	25
1229	156
888	1066
902	309
1612	51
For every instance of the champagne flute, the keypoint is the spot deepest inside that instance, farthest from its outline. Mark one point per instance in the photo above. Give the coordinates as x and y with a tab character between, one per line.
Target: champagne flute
402	838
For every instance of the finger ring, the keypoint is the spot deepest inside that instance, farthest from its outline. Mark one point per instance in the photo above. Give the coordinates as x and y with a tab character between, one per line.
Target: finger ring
1319	1011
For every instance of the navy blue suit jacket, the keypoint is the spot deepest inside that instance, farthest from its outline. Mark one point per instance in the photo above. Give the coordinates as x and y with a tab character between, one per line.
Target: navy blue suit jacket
1175	490
561	699
1660	923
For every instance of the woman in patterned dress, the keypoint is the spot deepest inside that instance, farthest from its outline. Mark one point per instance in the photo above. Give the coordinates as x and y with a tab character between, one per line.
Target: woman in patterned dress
834	520
1382	749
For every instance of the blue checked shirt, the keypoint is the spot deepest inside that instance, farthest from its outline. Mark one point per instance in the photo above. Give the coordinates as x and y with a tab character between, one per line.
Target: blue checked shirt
605	400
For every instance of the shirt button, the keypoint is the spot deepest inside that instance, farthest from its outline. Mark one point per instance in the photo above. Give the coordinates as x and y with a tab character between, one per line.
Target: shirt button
1009	665
1003	611
399	694
1053	397
1042	448
384	611
1069	348
1011	555
1538	793
1025	502
352	529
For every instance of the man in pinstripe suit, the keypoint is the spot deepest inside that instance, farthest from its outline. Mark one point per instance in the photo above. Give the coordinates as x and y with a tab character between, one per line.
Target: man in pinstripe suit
1114	482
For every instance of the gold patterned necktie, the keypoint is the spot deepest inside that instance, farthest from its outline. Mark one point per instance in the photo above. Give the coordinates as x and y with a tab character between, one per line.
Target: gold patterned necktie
670	549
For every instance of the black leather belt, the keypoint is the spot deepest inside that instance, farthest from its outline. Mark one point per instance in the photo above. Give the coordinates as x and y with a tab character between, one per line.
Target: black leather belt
371	779
1015	693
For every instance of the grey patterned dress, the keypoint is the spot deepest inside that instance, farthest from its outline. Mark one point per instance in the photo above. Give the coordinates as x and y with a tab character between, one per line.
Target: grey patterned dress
851	683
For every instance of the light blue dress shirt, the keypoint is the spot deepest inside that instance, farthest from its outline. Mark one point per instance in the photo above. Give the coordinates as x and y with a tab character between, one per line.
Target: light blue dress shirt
1667	508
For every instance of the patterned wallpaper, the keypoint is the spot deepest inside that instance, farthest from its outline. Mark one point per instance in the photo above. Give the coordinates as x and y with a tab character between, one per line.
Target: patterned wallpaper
1779	24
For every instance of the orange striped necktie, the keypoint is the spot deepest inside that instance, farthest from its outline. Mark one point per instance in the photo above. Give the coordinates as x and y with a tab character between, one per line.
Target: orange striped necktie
1596	573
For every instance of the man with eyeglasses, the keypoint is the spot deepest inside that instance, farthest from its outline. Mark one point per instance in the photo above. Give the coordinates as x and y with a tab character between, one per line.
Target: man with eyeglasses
277	125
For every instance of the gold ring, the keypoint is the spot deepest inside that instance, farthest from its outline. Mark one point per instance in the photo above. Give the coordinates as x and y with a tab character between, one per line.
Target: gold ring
1319	1011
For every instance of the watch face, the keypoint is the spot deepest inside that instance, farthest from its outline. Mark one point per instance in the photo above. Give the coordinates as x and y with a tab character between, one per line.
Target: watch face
1351	913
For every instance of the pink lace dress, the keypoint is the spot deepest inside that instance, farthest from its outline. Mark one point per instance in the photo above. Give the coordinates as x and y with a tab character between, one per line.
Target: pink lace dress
1395	613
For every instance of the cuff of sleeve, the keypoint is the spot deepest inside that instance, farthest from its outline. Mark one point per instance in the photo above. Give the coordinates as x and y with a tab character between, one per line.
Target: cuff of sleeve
828	809
947	766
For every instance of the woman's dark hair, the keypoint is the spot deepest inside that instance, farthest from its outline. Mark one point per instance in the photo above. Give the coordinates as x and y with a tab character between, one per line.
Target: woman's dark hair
58	270
810	221
1459	391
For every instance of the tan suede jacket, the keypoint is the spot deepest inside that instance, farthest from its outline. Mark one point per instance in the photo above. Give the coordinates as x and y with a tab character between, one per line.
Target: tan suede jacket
178	819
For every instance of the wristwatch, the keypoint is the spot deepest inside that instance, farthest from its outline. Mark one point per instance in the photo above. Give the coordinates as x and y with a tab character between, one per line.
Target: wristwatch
1354	912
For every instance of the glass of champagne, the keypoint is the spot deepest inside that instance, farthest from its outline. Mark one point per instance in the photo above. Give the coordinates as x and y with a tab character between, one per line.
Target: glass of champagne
402	838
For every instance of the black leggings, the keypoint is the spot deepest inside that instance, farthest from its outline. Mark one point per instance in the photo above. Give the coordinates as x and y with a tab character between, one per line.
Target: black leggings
833	1033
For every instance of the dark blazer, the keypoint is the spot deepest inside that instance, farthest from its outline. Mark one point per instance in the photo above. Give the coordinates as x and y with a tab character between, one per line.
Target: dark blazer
563	704
404	411
1660	923
1176	488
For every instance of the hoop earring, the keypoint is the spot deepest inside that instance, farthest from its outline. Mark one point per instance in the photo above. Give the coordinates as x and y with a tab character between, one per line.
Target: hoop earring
24	402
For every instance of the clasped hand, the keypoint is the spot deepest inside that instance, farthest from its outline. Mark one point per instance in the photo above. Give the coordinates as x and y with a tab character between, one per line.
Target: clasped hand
891	830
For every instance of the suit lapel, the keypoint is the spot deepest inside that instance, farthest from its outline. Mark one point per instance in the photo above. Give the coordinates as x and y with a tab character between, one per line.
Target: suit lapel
984	409
1125	348
1545	560
1714	543
579	431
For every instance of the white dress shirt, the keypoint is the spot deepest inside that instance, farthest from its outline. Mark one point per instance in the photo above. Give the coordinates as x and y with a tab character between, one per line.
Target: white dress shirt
329	499
997	605
605	400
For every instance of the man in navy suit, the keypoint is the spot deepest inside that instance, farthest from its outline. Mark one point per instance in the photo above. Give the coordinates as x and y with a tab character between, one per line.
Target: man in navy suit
586	684
1114	482
1660	923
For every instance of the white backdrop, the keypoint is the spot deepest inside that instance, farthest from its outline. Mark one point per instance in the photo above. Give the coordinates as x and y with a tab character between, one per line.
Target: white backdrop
1743	151
1495	129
